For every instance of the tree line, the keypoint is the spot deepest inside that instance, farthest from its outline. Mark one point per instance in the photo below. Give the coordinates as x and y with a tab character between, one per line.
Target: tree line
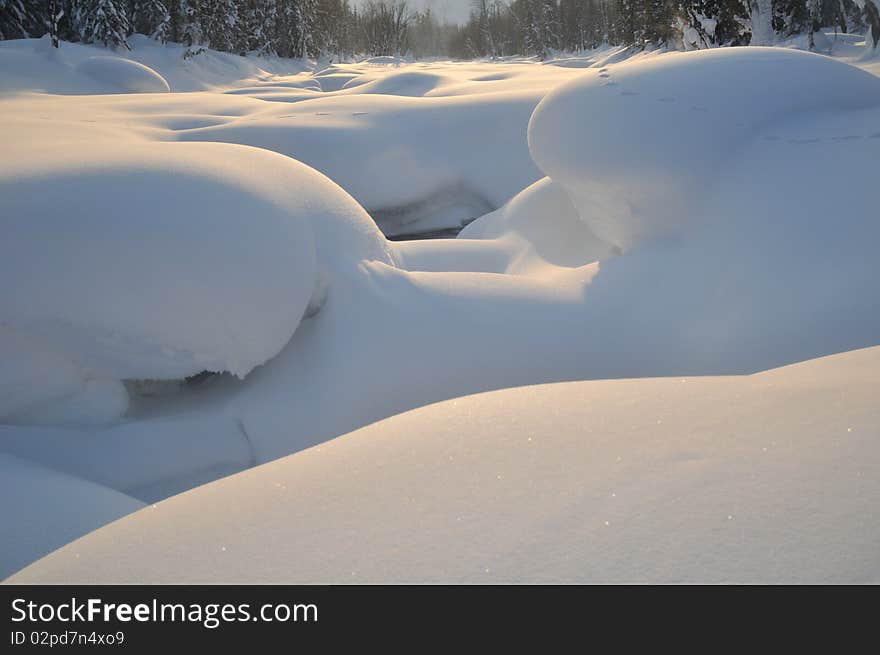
496	28
537	27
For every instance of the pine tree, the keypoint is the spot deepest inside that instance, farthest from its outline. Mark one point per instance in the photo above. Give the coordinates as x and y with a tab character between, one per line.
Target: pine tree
625	29
257	25
656	22
153	18
711	23
217	23
293	32
790	17
16	20
101	21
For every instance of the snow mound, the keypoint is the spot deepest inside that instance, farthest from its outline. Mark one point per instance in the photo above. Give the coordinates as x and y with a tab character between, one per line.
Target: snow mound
409	83
34	65
145	459
633	143
123	75
768	478
545	224
167	259
410	162
32	375
39	384
537	234
34	521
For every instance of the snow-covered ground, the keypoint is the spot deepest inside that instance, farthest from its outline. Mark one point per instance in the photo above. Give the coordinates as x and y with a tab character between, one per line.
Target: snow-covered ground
772	477
651	215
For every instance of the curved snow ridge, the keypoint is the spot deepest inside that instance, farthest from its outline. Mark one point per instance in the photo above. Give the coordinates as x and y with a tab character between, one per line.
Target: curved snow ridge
123	75
407	83
709	481
33	528
394	151
542	230
633	144
168	258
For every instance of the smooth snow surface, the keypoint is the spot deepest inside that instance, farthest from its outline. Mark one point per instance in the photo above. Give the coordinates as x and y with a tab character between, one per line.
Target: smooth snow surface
159	260
123	75
658	215
767	478
37	516
678	119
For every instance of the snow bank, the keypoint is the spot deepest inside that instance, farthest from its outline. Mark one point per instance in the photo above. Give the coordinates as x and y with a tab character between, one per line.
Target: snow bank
40	384
634	144
123	75
145	459
44	509
400	140
759	279
159	260
771	478
34	65
535	234
545	227
32	375
403	159
777	265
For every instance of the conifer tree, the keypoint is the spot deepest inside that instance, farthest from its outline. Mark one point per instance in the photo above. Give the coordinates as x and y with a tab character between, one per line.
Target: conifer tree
153	18
101	21
16	20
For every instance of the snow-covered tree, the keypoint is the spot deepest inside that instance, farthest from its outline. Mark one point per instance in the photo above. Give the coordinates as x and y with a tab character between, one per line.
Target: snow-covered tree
871	9
385	27
814	17
295	20
52	14
16	20
540	31
257	26
711	23
217	21
151	17
761	13
101	21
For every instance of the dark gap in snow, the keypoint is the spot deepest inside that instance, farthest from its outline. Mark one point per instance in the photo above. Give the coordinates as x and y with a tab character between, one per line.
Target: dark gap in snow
446	233
440	215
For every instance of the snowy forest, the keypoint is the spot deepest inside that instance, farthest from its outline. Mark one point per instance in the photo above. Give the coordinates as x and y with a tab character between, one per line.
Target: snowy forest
338	28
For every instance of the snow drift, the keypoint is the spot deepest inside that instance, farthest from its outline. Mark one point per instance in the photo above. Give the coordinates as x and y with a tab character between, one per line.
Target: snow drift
123	75
37	516
160	260
635	144
770	478
723	241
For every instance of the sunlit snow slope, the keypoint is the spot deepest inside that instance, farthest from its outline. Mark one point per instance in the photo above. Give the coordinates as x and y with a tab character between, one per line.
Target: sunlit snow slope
768	478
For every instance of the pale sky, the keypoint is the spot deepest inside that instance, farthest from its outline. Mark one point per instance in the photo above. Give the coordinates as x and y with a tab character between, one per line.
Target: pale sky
452	10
